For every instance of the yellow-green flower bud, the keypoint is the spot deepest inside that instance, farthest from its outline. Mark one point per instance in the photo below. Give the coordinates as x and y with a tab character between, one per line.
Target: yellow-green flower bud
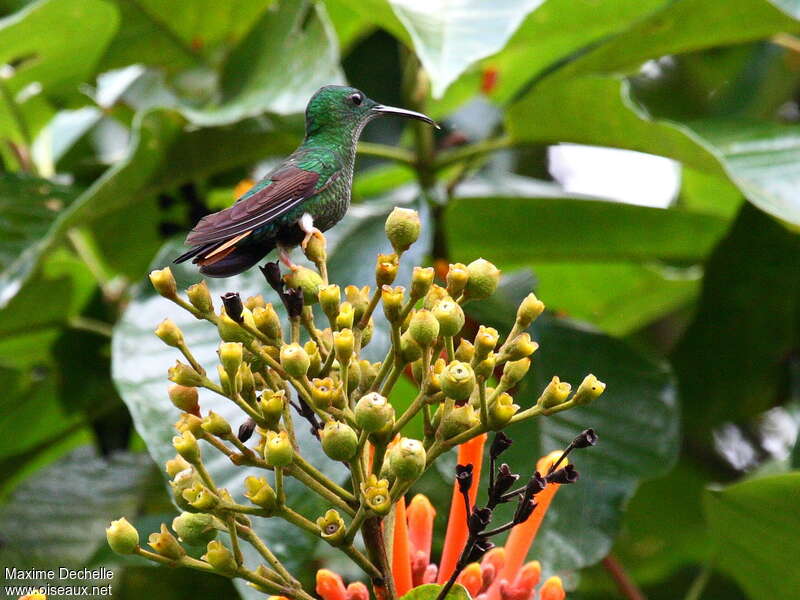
485	368
191	423
402	228
386	269
164	282
407	459
529	310
331	527
343	345
485	341
278	451
307	280
314	358
373	412
316	250
366	334
434	381
224	380
330	297
501	411
122	537
185	482
409	349
457	381
176	465
555	393
435	294
184	398
590	389
421	280
514	371
183	374
457	277
520	347
170	333
195	529
295	360
465	350
246	382
268	322
450	316
346	316
254	302
219	557
367	374
339	441
376	495
230	355
200	297
230	331
483	279
424	328
271	405
359	299
353	375
259	492
392	300
216	424
323	393
187	447
458	420
165	544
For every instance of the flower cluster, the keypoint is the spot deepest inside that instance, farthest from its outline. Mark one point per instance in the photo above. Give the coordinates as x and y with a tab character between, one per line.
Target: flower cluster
287	373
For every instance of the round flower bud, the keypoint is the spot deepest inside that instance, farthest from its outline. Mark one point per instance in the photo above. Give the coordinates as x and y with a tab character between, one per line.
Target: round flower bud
421	280
555	393
457	381
402	228
330	296
195	529
529	310
514	371
457	277
278	451
230	355
501	411
392	300
169	333
373	412
343	345
271	405
268	322
465	350
219	557
520	347
435	294
485	341
386	269
409	349
316	250
359	299
458	420
450	317
259	492
424	328
483	279
485	368
164	282
165	544
307	280
216	425
187	447
331	527
346	316
184	398
122	537
376	495
339	441
200	297
407	459
295	360
590	389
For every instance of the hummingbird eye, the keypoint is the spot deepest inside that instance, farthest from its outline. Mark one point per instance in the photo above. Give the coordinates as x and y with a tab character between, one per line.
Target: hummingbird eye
356	98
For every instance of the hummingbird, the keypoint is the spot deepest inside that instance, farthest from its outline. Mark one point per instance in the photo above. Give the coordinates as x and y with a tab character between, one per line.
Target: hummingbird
305	195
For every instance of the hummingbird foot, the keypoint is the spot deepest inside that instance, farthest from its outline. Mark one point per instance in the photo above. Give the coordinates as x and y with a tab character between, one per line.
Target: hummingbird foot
283	255
306	223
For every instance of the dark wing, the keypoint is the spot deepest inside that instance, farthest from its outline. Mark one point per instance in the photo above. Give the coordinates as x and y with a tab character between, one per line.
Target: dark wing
289	186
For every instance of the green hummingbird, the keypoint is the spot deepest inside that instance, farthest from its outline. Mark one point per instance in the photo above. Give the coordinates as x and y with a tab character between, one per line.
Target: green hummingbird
306	194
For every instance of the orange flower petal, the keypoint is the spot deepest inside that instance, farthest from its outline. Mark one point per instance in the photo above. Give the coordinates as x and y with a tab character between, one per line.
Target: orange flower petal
529	575
472	579
470	452
420	513
330	585
552	589
401	557
357	591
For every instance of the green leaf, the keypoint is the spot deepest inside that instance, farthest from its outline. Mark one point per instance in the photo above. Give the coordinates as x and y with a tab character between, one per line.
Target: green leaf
71	503
755	525
430	591
546	229
448	38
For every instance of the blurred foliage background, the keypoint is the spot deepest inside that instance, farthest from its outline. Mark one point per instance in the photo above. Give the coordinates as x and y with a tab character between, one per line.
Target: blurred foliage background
675	279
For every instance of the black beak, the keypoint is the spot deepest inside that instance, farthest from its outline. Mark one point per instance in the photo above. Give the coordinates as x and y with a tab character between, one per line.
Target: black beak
392	110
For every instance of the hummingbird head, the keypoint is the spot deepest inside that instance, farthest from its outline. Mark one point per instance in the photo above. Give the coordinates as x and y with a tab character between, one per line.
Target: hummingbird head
338	108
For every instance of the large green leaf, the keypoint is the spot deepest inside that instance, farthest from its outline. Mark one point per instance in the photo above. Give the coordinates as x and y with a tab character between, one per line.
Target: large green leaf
449	38
431	591
755	525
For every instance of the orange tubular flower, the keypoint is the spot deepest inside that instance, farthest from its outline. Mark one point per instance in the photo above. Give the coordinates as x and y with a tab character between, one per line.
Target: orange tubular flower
357	591
552	589
401	557
420	514
469	453
330	585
